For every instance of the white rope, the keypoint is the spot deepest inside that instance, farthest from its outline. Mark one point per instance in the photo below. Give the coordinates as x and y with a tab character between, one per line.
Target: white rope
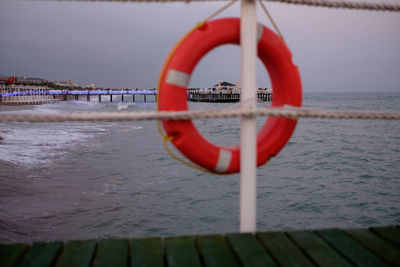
343	4
271	20
293	113
317	3
219	11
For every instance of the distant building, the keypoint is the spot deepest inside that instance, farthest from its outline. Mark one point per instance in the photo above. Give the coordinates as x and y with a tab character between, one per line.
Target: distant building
68	83
264	90
91	86
227	87
34	80
30	80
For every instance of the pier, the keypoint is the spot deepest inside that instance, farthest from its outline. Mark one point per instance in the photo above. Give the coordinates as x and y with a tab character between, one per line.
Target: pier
376	246
33	96
25	95
125	95
224	97
47	95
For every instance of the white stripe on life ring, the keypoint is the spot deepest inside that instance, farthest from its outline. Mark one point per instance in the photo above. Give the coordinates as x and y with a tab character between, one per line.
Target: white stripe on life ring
178	78
224	160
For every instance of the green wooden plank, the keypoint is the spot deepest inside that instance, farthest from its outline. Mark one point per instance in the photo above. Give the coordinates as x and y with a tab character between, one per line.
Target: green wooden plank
147	252
10	253
77	253
351	249
181	251
379	246
215	251
249	251
391	233
112	252
317	249
284	251
41	254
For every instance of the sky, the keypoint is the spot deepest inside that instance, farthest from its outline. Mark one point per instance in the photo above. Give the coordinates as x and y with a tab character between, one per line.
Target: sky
123	45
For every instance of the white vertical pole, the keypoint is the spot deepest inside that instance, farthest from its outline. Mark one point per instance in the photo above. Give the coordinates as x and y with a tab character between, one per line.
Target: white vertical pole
248	154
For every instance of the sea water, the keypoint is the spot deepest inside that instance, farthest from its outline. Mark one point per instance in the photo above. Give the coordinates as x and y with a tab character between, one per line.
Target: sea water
80	180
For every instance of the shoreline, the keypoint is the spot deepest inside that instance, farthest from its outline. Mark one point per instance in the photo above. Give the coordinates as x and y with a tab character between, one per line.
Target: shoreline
16	107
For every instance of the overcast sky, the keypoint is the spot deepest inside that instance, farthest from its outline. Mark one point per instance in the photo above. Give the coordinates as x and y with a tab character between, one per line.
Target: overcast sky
123	45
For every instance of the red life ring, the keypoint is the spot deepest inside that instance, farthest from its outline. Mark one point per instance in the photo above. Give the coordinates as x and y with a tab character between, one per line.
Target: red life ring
174	80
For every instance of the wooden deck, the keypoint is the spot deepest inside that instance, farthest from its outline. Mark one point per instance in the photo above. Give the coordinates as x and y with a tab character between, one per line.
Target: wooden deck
379	246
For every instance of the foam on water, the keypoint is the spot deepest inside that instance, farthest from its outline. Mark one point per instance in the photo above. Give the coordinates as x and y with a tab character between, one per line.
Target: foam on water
30	145
36	145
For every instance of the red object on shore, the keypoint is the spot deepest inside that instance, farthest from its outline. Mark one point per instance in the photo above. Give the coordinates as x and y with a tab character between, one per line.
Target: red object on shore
11	79
174	80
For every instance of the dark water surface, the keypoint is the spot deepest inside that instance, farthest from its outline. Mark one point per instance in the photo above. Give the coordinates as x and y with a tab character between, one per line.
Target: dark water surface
91	180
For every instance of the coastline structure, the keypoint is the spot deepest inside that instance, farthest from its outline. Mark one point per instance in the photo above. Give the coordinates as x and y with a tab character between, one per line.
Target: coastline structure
20	90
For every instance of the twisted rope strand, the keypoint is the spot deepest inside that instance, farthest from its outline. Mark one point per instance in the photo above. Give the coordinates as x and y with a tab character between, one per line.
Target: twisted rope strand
293	113
317	3
342	4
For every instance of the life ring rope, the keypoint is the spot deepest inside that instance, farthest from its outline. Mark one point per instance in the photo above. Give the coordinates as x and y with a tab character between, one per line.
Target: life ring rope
165	138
